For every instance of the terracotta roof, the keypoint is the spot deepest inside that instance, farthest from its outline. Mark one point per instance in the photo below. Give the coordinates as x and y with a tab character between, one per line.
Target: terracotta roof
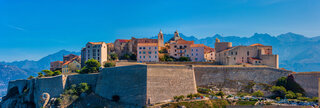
197	45
147	44
57	62
181	41
70	61
208	49
123	40
257	44
96	43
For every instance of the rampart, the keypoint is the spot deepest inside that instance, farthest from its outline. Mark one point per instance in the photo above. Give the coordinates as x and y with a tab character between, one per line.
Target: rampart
235	77
308	81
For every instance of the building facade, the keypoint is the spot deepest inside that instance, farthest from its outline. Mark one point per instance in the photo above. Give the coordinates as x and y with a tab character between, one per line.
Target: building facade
56	65
70	57
94	50
71	66
209	54
256	54
148	52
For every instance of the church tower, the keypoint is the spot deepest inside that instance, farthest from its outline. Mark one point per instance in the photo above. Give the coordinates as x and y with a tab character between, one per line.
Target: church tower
160	39
176	35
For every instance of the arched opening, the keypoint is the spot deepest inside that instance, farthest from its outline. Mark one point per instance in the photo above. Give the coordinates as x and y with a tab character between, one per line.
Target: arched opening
115	98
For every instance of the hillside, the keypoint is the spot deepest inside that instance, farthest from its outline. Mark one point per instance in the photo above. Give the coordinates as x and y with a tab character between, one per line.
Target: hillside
8	73
296	52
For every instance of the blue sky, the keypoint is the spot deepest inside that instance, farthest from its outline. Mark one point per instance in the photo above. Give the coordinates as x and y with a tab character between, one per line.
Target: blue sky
32	29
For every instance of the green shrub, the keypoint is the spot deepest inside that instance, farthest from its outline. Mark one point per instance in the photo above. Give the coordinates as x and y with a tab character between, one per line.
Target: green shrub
220	93
258	93
290	95
290	84
92	66
204	90
109	64
30	77
278	91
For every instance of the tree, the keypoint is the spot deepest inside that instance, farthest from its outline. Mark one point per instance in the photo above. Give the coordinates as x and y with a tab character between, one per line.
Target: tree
82	87
30	77
133	57
278	91
113	56
126	56
92	66
163	51
258	93
109	64
57	72
40	75
290	84
47	72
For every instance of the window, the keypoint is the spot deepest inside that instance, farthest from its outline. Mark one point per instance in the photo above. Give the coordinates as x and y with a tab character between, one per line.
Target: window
144	47
231	53
149	47
175	46
155	52
139	52
196	49
155	47
175	54
144	52
149	52
185	50
196	54
196	59
98	50
192	54
185	46
192	50
140	47
149	56
236	53
140	56
155	56
175	50
234	58
144	56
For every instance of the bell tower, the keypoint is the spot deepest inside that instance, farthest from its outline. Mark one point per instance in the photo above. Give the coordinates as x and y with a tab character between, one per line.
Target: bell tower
160	39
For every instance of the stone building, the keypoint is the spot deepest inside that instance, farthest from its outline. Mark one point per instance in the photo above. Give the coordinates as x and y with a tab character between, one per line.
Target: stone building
56	65
71	66
70	57
94	50
124	46
182	48
110	48
175	37
148	52
256	54
209	54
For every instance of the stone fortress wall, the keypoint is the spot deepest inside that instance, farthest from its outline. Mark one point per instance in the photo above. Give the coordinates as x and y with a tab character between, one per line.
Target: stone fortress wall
308	81
166	81
142	84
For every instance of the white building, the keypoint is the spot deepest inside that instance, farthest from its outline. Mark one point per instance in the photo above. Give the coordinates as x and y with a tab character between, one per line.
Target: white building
94	50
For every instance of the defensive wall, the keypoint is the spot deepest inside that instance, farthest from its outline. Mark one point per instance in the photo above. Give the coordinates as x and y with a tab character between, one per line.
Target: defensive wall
146	84
142	84
308	81
235	77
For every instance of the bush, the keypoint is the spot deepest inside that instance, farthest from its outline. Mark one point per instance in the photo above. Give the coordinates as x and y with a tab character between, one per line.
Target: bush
190	96
290	95
113	56
204	90
258	94
58	102
290	84
278	98
109	64
299	94
178	98
278	91
30	77
40	75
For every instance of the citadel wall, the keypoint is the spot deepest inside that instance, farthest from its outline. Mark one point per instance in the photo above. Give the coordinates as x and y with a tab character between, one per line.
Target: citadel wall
308	81
166	81
235	77
127	82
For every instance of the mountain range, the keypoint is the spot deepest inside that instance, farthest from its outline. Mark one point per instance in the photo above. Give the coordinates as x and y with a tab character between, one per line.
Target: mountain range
296	52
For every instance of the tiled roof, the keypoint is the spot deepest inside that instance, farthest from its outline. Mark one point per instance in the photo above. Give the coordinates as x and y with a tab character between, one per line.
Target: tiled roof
257	44
70	61
123	40
96	43
57	62
181	41
147	44
197	45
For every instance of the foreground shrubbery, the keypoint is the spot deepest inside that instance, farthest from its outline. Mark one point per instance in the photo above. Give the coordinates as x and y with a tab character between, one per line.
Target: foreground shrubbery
92	66
217	103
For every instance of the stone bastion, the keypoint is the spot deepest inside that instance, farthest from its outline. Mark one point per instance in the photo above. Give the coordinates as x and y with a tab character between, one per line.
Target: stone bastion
143	84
